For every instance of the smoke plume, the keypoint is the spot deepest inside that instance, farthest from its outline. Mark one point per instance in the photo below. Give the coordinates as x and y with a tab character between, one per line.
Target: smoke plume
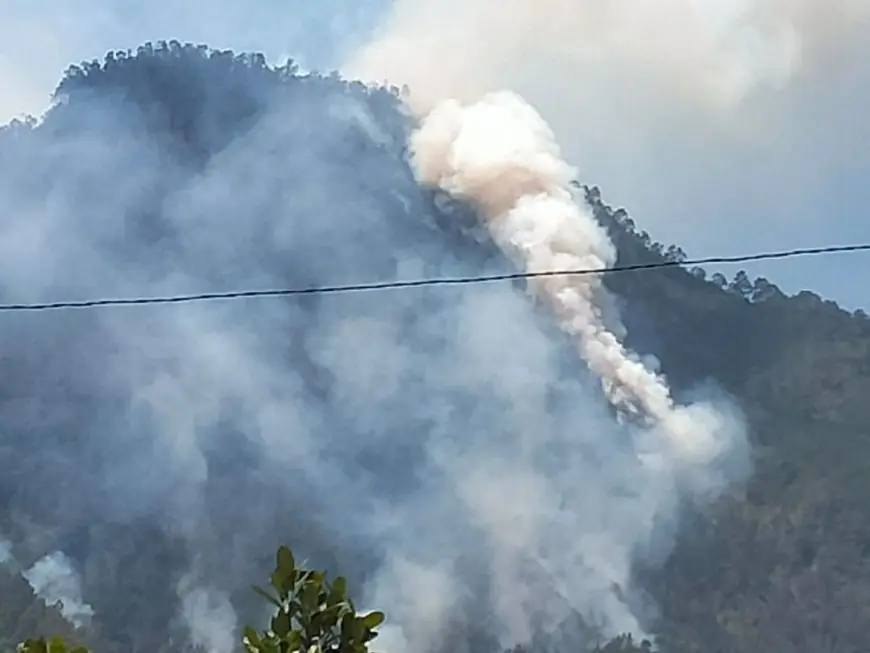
501	155
496	152
54	580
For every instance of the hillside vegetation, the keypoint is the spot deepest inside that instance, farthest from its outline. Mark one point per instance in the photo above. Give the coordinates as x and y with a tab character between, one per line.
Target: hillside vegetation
176	168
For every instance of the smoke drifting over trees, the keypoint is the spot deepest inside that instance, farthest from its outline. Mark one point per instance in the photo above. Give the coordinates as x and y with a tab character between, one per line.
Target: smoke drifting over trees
382	431
444	447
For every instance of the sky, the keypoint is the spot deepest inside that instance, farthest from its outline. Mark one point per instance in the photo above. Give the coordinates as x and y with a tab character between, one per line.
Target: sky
725	126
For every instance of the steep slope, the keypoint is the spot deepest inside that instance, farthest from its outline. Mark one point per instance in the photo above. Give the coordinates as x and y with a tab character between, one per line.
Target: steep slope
784	565
166	450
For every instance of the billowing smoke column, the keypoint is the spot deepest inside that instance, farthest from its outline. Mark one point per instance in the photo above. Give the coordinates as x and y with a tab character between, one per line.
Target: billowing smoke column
558	547
500	154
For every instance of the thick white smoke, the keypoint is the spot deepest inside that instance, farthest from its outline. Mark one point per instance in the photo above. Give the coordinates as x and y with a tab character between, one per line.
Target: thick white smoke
495	151
500	154
551	553
209	615
54	580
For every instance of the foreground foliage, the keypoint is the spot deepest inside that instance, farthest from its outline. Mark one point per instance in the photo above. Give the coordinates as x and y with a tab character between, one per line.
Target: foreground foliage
312	614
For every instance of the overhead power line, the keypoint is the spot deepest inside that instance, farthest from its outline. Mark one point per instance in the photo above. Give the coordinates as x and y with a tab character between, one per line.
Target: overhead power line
417	283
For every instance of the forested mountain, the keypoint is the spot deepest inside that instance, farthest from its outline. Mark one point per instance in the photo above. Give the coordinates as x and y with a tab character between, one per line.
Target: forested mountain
166	450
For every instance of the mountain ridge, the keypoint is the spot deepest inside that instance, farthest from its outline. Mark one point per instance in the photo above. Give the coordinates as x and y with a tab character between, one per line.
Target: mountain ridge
799	366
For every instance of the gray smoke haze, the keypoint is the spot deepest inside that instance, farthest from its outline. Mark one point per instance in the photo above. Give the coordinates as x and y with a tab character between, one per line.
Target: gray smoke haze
716	54
5	551
444	447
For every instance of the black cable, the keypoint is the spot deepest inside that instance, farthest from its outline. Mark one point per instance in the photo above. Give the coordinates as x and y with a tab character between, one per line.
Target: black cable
416	283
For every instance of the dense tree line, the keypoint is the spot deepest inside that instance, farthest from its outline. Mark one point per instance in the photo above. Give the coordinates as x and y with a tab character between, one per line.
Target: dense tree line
784	563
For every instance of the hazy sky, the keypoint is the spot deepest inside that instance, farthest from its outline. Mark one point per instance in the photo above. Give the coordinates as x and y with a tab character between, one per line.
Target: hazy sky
727	126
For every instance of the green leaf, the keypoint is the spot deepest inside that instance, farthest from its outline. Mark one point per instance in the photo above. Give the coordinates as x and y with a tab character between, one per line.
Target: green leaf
347	626
284	562
312	582
330	617
79	649
358	629
373	619
269	646
284	584
281	624
293	640
33	646
337	591
310	593
56	645
251	639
